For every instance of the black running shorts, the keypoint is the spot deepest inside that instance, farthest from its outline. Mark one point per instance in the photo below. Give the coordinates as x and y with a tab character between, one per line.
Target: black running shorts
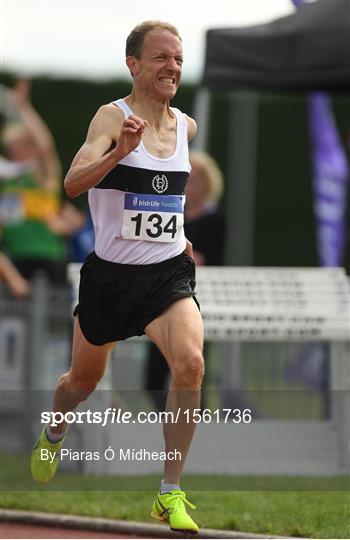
117	301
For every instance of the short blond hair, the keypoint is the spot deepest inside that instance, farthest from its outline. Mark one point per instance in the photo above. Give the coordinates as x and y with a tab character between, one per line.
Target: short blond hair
136	37
211	173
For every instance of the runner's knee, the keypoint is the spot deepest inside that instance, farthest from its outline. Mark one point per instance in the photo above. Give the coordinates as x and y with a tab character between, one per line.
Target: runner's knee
188	371
79	387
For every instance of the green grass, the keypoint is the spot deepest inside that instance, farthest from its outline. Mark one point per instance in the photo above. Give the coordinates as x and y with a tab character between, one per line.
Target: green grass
307	514
289	508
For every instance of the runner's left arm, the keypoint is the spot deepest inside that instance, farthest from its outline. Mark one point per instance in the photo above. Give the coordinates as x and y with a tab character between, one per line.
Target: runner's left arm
191	130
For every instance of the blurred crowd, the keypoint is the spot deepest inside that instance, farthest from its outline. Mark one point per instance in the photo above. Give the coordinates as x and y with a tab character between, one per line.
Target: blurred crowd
39	231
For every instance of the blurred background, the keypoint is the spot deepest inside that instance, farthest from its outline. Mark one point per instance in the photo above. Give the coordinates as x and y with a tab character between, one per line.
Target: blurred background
73	53
76	62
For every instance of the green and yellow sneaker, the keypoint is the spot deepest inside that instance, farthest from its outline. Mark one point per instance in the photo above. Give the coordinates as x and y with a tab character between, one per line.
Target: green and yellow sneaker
44	460
171	507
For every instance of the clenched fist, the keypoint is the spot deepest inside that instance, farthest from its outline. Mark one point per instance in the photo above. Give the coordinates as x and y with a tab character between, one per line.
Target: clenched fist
131	133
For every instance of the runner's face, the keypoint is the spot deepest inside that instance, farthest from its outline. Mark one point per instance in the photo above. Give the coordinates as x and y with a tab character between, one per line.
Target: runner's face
160	64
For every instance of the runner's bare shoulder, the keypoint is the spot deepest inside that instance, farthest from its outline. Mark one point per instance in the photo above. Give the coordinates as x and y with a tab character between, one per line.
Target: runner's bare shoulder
110	117
115	113
191	127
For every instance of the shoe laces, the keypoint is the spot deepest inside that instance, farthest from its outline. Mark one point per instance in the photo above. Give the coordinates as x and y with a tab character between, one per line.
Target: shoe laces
180	501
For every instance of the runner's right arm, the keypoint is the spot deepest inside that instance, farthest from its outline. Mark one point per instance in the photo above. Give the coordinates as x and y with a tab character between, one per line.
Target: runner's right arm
93	161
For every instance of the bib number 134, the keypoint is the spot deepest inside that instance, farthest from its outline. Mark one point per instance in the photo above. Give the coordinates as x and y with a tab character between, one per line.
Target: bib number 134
152	218
157	226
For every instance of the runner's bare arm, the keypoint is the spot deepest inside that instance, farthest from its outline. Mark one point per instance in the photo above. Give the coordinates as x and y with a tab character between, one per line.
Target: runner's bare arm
189	248
191	127
191	132
92	163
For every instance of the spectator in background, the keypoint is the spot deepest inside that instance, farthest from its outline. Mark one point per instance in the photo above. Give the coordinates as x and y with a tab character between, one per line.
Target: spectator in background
205	227
82	242
33	222
17	284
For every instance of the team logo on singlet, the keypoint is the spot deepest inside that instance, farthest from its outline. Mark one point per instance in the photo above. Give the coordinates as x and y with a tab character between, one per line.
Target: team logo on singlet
160	183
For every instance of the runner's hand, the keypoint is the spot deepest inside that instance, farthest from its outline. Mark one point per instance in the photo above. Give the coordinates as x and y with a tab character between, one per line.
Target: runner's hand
189	249
131	134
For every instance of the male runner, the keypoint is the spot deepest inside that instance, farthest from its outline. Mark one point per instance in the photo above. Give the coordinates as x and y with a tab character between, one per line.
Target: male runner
140	279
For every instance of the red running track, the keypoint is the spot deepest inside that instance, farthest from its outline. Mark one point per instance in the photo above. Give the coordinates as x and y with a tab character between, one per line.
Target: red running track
19	530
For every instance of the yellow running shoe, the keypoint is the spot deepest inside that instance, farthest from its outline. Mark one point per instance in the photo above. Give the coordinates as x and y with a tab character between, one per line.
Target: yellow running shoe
44	460
171	507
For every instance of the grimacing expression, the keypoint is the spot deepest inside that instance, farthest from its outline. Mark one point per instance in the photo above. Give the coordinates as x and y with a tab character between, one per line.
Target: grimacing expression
159	68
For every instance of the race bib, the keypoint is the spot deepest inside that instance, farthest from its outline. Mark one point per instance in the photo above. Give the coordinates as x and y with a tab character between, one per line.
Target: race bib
154	218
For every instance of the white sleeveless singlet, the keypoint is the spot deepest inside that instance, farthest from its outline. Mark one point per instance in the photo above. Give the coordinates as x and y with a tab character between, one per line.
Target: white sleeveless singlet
137	209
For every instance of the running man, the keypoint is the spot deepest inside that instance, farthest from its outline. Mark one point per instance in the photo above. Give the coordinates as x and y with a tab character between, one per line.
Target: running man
140	278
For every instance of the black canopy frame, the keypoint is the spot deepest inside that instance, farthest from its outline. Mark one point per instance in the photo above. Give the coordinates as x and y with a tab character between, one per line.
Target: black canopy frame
306	51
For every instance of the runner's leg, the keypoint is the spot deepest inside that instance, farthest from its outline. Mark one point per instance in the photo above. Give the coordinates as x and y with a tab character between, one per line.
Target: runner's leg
88	366
178	333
